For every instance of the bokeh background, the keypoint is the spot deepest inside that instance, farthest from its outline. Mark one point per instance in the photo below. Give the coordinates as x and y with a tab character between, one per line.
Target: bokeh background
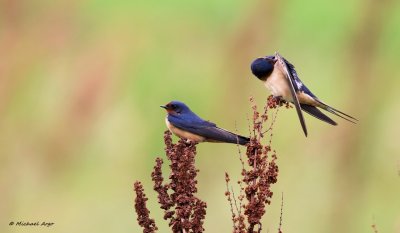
81	83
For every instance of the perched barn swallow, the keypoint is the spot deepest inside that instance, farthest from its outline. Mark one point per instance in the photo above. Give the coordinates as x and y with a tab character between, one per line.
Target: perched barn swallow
184	123
280	78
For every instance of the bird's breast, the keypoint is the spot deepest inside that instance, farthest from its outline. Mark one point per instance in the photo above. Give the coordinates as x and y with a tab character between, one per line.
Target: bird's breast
278	85
182	133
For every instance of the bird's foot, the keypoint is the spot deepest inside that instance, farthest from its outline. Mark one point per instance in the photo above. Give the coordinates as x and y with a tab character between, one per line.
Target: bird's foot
189	142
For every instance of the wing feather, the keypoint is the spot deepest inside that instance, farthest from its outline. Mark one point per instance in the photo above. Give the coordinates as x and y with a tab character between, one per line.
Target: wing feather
208	130
293	89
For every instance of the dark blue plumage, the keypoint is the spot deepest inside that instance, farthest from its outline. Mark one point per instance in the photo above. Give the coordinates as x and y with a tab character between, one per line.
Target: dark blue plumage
186	124
281	78
261	67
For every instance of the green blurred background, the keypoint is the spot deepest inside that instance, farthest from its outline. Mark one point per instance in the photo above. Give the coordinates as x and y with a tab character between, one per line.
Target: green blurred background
81	83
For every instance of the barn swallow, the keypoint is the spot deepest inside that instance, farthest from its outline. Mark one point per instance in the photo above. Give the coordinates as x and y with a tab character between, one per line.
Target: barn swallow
184	123
280	78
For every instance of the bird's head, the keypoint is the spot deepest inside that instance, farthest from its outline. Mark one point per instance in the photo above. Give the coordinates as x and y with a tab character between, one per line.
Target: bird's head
176	107
262	67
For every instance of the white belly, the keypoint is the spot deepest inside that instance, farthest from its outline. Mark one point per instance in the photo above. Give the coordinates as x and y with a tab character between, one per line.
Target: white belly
183	134
278	85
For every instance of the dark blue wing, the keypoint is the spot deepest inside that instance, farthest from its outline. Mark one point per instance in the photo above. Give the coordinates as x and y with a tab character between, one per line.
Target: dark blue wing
187	121
289	72
296	80
209	130
312	111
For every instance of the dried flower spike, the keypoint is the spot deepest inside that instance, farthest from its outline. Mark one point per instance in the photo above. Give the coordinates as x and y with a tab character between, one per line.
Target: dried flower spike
185	211
148	224
261	172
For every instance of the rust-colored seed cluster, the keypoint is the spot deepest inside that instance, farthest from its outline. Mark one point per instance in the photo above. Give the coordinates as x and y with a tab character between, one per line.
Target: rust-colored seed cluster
148	224
257	179
274	102
185	211
181	207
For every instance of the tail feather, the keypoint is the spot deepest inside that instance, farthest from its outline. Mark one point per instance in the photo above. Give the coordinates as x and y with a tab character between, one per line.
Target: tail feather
333	111
337	112
344	114
242	140
313	111
216	134
236	139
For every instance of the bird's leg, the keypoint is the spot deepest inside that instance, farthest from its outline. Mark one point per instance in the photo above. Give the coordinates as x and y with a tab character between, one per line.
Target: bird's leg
189	142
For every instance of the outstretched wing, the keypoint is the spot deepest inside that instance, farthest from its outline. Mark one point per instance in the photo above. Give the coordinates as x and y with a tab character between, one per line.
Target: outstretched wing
290	73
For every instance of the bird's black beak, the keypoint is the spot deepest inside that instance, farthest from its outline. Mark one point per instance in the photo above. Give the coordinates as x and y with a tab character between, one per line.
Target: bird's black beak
163	106
277	56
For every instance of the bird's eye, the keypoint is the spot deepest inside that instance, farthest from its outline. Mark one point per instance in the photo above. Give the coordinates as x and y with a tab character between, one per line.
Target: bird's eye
173	106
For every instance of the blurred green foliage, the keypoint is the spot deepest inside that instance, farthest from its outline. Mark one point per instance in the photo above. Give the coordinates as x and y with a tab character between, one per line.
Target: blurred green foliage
81	82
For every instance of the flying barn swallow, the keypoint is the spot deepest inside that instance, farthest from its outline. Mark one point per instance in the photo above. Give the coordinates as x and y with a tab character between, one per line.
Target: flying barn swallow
280	78
184	123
